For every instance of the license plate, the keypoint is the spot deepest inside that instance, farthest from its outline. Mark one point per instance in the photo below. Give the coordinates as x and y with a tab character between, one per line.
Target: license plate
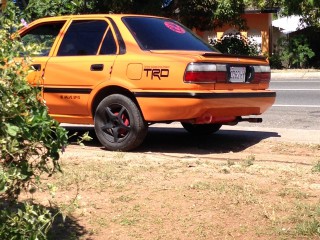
237	74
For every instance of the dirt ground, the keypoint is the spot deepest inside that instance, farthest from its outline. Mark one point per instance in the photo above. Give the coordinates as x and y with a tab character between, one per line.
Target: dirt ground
177	186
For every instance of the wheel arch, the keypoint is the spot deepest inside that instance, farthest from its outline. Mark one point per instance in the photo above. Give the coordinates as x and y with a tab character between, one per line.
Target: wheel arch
109	90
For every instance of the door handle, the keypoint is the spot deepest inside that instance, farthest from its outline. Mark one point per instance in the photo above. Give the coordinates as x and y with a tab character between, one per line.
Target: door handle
36	67
97	67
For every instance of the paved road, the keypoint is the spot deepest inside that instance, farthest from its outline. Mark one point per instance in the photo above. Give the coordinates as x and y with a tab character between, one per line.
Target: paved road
297	105
297	93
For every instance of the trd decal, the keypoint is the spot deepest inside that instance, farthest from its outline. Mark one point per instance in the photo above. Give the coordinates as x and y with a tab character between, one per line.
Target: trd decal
157	73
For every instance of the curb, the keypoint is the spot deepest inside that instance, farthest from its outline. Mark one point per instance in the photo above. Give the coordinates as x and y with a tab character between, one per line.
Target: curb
295	74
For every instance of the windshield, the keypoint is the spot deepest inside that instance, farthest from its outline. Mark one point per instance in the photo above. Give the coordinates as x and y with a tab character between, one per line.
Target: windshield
164	34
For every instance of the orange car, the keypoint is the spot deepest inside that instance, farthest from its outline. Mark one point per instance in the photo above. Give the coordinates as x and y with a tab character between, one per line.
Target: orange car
125	72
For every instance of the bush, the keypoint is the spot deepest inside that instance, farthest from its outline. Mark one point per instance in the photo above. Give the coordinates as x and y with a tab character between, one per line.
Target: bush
295	52
28	222
236	44
275	61
30	140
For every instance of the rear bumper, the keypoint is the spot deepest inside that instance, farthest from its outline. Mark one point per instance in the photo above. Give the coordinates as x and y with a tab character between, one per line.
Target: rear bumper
177	106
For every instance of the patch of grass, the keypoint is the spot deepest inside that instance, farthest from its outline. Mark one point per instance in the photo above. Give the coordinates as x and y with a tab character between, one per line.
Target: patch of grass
94	175
201	186
308	228
303	221
225	170
308	220
236	193
128	221
231	162
292	192
100	221
249	161
316	167
202	230
315	147
119	155
131	217
122	198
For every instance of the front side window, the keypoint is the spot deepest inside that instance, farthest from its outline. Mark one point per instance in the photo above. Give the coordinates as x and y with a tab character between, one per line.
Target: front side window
164	34
83	37
42	36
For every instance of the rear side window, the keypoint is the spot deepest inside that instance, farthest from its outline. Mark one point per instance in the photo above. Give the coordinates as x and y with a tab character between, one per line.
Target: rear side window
109	45
86	37
43	36
164	34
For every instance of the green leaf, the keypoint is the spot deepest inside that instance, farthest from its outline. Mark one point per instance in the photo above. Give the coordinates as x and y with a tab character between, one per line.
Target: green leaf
12	130
3	187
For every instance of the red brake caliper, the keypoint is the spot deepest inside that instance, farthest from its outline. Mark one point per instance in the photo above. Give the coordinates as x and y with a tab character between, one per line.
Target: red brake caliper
122	132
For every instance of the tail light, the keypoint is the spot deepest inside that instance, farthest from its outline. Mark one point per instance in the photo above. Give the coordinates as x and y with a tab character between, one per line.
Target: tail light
262	74
205	73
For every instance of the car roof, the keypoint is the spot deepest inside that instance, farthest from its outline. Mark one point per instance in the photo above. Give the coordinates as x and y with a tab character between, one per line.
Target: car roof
64	17
86	16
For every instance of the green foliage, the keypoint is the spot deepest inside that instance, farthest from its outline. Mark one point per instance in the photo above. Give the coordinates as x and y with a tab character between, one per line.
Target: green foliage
275	61
316	168
48	8
27	222
209	14
229	11
236	44
123	6
262	4
196	14
295	51
203	15
30	140
309	10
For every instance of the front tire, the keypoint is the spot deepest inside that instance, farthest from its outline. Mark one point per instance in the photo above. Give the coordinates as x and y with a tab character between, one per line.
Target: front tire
119	124
201	129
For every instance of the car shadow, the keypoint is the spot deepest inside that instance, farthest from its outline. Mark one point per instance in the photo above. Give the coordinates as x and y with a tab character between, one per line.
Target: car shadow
177	140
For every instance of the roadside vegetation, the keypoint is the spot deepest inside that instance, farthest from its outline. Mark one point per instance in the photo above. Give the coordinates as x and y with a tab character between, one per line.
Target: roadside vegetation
30	141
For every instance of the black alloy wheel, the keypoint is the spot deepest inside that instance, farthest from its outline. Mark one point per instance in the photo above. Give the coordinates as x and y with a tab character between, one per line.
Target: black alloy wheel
119	124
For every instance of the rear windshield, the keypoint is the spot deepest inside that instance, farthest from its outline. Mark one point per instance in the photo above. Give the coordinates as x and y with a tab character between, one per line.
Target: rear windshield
164	34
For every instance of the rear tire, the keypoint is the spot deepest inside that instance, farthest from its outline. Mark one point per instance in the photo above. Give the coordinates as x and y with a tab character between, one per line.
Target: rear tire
119	124
201	129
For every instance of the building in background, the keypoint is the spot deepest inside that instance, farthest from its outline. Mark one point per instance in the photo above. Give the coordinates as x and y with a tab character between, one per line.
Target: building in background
259	24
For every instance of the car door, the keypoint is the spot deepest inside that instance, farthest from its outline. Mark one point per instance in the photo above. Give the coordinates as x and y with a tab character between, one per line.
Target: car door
42	36
84	59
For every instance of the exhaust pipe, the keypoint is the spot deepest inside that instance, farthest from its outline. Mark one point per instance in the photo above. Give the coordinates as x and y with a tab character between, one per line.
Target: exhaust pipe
208	118
240	119
251	120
